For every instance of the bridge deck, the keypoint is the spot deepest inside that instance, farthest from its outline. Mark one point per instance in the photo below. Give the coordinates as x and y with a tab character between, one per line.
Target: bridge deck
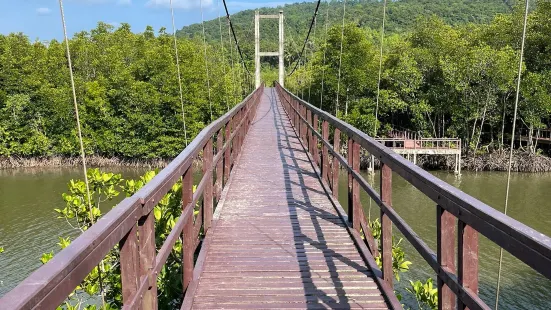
277	240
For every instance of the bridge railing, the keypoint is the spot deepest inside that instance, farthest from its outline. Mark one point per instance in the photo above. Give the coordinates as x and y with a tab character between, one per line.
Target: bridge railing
131	224
460	217
422	143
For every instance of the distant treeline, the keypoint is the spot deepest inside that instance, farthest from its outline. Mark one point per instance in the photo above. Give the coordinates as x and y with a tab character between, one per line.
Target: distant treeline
437	80
127	91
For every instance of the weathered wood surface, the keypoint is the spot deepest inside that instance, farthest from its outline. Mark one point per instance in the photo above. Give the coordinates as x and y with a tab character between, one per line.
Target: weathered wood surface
277	241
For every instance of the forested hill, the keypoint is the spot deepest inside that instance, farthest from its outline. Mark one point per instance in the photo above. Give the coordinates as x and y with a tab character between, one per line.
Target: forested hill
401	16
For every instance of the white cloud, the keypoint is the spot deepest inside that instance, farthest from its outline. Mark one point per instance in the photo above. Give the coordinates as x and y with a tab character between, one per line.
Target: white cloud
43	11
179	4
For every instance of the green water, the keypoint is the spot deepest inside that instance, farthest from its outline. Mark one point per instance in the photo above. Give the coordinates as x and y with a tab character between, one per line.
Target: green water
29	227
28	223
529	203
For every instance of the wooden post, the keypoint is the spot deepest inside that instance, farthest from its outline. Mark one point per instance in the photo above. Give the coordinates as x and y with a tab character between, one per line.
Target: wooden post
350	160
356	203
336	148
207	193
146	233
220	164
187	257
324	151
316	153
130	266
467	258
386	224
445	239
310	134
227	154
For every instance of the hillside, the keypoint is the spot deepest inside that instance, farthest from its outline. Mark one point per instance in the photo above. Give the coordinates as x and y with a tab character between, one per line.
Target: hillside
366	13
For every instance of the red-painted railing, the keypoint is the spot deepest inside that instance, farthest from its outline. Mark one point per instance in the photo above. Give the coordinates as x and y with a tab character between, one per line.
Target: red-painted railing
131	224
460	217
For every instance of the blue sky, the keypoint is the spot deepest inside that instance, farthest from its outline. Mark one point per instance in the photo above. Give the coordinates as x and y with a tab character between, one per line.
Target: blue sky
40	19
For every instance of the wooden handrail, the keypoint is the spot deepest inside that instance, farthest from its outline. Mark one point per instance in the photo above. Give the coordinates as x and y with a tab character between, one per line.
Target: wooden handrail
50	285
473	216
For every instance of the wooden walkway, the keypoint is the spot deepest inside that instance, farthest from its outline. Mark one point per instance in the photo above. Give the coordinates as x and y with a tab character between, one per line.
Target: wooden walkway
277	240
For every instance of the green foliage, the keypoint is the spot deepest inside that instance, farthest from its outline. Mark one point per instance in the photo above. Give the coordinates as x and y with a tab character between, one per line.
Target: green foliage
1	249
440	78
105	277
399	262
127	92
425	294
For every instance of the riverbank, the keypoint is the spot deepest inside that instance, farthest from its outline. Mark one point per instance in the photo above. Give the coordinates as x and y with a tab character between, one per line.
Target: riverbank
92	161
494	161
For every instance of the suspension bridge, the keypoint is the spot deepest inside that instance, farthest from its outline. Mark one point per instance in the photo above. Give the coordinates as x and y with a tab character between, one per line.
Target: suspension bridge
270	232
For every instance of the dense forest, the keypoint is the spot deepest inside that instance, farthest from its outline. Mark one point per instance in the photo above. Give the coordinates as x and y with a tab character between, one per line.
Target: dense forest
127	90
449	69
437	80
402	16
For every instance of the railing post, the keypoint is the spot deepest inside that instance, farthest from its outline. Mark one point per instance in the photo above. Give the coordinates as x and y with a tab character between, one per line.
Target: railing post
356	204
324	151
315	151
310	134
386	224
220	164
445	239
336	148
187	247
467	258
130	266
146	233
207	193
227	154
350	161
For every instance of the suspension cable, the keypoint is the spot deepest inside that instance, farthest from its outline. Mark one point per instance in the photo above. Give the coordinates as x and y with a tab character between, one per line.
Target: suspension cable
307	36
234	37
223	57
206	57
526	4
312	54
234	89
340	58
324	56
380	71
178	70
79	130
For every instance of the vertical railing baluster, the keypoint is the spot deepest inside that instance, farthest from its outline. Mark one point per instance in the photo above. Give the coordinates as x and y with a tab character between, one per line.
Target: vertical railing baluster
187	247
324	151
220	164
386	224
316	153
147	251
467	258
227	153
445	239
356	203
130	266
310	134
350	161
207	192
336	170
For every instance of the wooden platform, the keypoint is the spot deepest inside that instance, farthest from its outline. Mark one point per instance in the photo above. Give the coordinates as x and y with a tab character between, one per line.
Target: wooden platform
277	241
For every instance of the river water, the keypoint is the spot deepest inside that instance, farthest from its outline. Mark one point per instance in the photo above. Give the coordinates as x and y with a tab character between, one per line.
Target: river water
29	227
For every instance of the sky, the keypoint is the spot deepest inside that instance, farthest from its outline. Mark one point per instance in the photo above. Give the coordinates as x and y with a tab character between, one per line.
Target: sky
40	19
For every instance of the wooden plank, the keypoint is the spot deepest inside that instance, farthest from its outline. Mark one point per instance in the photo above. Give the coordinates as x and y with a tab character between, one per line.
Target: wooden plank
386	224
292	249
129	265
445	239
208	207
146	233
467	258
335	166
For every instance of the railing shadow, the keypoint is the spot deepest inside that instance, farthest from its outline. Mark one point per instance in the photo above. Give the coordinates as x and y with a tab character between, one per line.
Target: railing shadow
288	150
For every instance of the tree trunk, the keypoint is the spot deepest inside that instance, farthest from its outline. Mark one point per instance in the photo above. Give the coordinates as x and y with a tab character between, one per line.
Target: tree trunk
481	125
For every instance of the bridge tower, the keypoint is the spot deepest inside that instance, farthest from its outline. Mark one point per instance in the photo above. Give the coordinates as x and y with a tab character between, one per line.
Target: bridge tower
258	53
